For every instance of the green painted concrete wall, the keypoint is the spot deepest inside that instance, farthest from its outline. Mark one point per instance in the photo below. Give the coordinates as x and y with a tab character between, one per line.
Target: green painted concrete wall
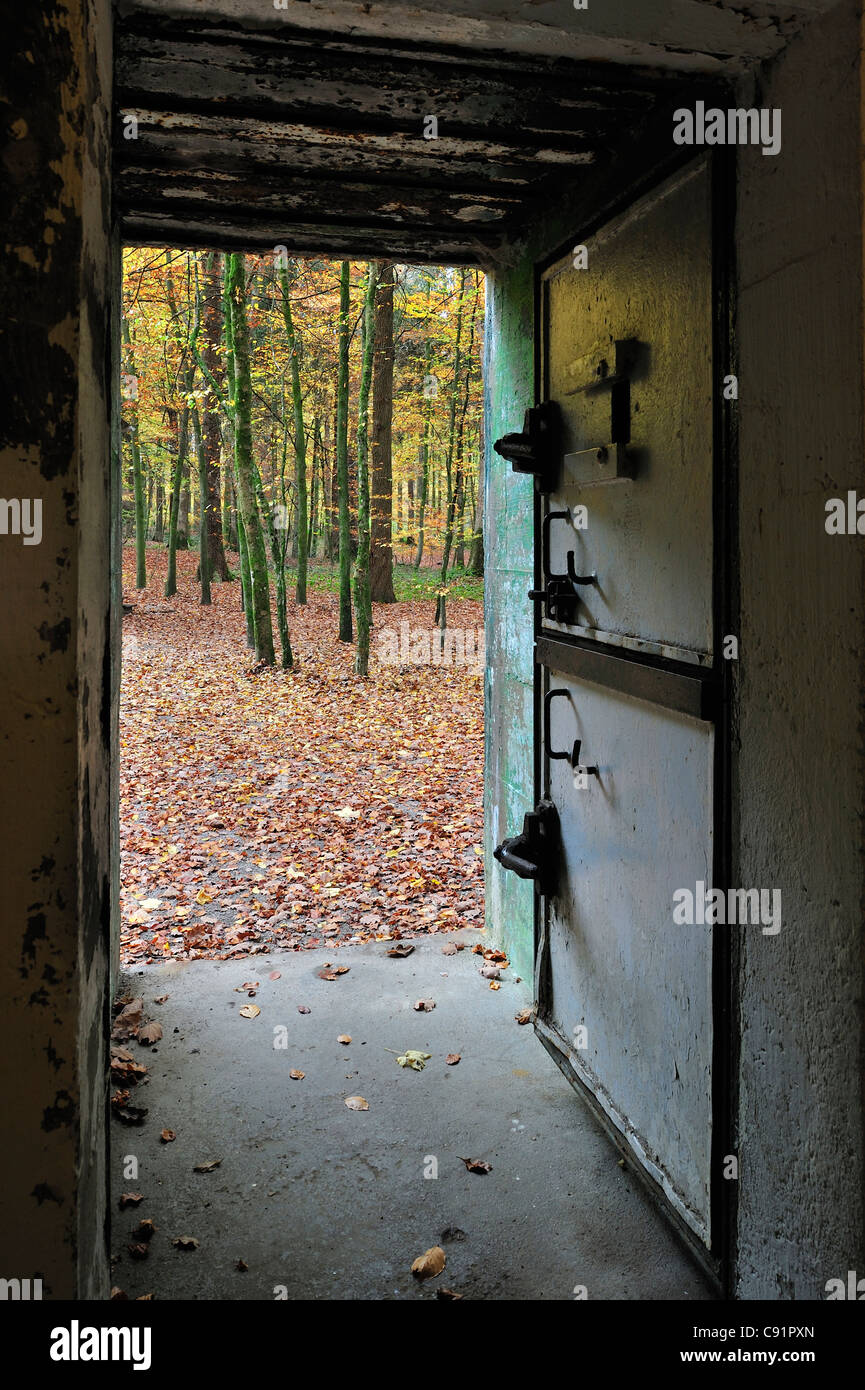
508	510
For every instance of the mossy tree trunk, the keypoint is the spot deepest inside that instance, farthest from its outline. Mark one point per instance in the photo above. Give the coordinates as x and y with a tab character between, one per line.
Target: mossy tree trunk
362	601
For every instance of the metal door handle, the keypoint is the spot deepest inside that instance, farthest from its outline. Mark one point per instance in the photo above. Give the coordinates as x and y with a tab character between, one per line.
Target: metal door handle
537	449
573	758
535	853
560	590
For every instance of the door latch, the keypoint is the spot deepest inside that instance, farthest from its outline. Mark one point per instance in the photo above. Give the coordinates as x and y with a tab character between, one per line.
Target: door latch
573	758
535	853
537	449
560	592
608	371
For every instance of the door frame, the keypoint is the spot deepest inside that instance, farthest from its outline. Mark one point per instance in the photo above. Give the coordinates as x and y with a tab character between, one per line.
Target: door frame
717	1261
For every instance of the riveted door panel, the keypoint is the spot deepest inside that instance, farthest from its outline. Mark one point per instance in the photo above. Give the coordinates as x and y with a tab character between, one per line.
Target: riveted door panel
641	311
624	993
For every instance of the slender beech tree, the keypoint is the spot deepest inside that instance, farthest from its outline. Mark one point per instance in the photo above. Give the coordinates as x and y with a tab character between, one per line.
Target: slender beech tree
211	325
362	600
381	539
345	624
299	431
231	380
460	473
244	463
476	551
137	471
428	398
449	457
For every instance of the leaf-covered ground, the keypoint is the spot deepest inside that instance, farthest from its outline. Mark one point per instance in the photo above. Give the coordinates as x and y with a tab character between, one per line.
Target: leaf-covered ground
290	809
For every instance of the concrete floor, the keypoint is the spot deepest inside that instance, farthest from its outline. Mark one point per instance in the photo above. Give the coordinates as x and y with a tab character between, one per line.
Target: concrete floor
328	1203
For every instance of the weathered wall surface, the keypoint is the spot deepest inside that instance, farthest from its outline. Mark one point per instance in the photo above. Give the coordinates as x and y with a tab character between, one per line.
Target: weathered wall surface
57	713
508	514
800	677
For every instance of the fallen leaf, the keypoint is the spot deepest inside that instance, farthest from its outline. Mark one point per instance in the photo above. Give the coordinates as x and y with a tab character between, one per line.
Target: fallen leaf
447	1293
161	1000
168	1136
431	1263
344	1038
491	972
241	1266
145	1230
357	1103
130	1114
343	969
185	1243
250	1011
449	949
416	1060
452	1059
524	1016
117	1294
145	1298
346	813
150	1034
403	949
274	975
302	1009
297	1075
128	1021
207	1167
202	897
476	1165
138	1251
130	1199
424	1006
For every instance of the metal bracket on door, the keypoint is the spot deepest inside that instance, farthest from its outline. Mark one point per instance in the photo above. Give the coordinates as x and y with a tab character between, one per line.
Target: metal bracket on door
537	449
559	593
607	368
535	854
573	758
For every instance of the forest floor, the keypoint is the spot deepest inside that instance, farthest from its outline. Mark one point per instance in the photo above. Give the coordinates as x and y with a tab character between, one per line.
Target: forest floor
272	809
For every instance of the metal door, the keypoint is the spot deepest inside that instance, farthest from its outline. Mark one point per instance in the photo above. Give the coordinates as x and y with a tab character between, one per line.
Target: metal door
622	450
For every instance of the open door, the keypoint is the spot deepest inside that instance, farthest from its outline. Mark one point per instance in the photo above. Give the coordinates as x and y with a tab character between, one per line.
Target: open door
629	683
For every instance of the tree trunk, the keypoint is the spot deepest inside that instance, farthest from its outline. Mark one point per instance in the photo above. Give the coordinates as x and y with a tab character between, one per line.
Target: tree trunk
137	474
244	465
449	459
174	511
476	553
381	524
299	437
327	465
424	449
211	323
362	601
345	624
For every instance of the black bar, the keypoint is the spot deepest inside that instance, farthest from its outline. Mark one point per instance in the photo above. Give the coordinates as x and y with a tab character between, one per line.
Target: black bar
694	695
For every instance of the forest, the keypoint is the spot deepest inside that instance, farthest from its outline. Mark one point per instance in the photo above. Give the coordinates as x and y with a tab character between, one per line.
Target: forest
303	558
296	412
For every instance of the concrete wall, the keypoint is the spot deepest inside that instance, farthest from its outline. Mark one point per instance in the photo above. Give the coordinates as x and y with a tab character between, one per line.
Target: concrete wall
508	518
800	677
57	714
